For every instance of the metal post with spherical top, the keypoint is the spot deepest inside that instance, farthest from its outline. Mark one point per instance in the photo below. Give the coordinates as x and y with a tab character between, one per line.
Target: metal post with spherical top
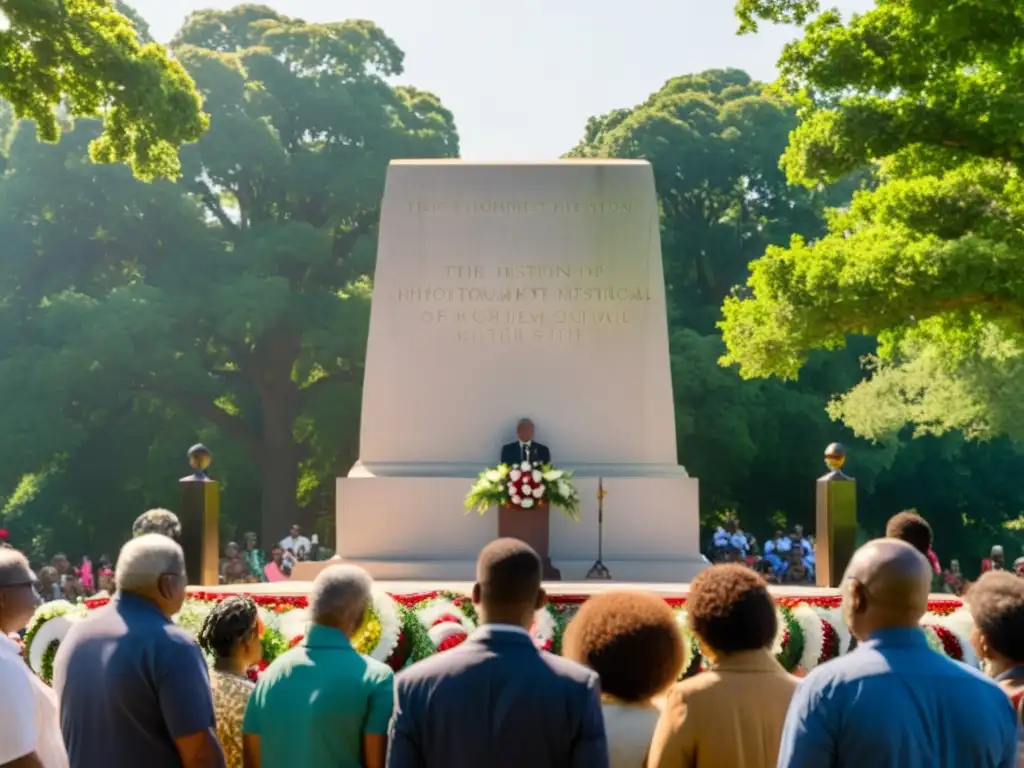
836	519
200	519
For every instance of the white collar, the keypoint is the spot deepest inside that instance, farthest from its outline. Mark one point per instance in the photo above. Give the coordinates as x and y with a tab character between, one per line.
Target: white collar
506	628
526	443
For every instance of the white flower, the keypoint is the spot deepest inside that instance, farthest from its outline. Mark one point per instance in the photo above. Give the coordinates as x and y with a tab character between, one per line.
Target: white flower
494	476
538	491
525	466
537	477
554	474
564	489
517	500
514	475
501	487
527	490
527	503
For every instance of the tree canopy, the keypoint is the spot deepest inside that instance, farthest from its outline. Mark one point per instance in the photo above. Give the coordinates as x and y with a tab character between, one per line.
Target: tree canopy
930	261
237	296
84	58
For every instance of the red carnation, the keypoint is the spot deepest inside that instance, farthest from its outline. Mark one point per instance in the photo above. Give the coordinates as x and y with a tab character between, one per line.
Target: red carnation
446	619
451	641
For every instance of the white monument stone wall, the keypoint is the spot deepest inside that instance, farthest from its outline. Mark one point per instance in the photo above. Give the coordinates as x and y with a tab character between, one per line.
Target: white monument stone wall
504	291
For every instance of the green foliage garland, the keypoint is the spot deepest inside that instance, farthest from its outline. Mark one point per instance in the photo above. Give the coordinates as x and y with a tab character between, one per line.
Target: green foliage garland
793	645
273	644
420	644
46	666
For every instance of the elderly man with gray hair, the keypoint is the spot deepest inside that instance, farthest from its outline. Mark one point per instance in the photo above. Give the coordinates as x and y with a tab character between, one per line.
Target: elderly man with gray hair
134	689
322	704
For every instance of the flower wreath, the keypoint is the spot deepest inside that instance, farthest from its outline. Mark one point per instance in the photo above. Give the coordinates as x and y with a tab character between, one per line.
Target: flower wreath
446	624
382	627
44	634
545	629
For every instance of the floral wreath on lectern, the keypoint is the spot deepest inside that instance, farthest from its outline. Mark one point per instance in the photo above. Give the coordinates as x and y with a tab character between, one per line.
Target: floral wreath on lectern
524	486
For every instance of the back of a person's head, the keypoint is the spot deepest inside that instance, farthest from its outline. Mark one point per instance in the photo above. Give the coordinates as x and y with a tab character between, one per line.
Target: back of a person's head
144	559
996	603
631	640
910	527
730	609
158	520
341	594
508	572
14	568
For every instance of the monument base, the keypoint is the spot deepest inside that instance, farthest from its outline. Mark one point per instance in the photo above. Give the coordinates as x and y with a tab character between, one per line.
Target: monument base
417	528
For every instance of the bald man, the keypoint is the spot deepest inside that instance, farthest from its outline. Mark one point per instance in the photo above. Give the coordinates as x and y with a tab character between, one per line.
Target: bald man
893	702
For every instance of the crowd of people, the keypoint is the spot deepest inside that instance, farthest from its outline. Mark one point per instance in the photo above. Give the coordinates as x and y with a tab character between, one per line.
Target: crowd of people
131	688
786	558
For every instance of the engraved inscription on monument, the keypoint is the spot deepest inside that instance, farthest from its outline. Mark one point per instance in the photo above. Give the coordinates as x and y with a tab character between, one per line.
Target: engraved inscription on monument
523	303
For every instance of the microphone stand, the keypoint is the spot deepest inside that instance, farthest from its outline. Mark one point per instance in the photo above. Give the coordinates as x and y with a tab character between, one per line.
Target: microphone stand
598	570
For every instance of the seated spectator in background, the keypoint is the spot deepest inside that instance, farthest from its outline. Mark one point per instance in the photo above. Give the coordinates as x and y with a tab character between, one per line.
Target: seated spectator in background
892	702
296	543
322	704
764	567
106	580
161	521
233	568
72	587
796	570
231	636
632	641
996	560
495	701
278	569
254	557
802	545
1018	566
29	725
775	551
954	578
133	687
731	715
49	584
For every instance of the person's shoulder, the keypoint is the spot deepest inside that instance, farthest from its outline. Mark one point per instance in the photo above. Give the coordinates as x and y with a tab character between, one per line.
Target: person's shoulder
439	665
377	671
569	670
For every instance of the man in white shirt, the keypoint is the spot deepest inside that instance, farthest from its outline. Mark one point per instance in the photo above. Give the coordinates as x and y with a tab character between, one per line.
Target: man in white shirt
30	734
297	543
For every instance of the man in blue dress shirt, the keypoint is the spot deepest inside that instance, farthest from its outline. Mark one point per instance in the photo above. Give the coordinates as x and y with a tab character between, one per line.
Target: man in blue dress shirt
894	702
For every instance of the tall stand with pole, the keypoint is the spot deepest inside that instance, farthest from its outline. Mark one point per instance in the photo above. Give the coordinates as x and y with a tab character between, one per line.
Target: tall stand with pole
598	570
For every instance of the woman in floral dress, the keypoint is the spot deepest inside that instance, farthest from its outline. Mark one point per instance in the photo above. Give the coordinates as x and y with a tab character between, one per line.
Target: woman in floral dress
231	635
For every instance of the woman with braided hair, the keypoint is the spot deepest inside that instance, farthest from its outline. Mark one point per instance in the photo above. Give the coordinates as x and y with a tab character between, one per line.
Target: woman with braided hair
231	636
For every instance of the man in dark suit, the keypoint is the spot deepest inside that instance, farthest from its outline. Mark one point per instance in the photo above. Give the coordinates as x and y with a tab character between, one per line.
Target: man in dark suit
496	701
524	449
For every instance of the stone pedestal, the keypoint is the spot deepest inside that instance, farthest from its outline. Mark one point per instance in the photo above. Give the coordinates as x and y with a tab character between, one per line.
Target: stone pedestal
510	291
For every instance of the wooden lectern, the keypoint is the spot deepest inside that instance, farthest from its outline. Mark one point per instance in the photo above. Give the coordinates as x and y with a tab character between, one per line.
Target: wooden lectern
200	520
836	520
532	526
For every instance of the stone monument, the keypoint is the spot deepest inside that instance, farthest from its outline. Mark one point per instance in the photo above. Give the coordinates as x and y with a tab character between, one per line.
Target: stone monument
504	291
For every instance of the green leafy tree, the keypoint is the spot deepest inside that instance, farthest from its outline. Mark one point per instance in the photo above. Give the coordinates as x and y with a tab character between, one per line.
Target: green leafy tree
714	141
930	261
240	294
85	58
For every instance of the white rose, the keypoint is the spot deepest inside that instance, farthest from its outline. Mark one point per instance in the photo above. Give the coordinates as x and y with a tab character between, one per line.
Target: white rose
525	466
514	475
554	474
527	503
527	490
563	489
494	476
538	491
537	477
517	500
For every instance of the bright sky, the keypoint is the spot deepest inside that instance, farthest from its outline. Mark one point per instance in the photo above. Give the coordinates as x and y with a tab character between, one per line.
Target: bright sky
523	76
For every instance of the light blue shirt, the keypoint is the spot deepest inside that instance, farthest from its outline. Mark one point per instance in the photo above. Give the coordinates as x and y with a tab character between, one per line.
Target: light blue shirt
893	702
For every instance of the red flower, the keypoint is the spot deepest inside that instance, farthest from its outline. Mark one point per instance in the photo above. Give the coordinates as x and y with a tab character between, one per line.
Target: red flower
446	619
256	670
4	534
451	641
295	641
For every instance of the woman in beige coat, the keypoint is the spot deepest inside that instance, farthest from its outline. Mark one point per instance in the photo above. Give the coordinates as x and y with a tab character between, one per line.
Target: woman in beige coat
730	716
632	641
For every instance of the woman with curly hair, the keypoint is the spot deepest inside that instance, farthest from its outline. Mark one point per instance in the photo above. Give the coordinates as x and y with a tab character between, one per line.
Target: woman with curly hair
632	641
231	636
996	603
731	715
